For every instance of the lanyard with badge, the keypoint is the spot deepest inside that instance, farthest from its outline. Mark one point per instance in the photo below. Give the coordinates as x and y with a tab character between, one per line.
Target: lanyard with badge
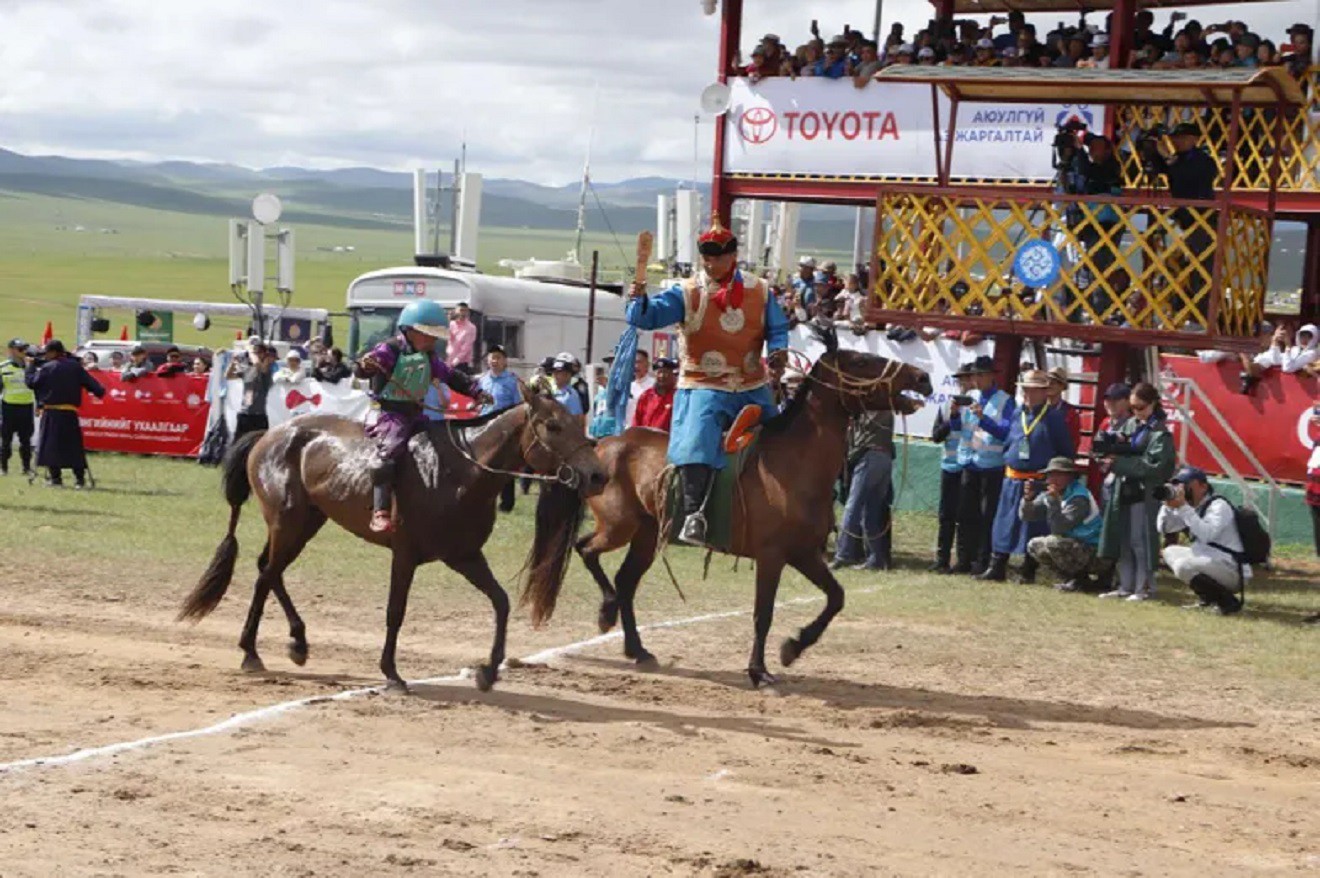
1024	447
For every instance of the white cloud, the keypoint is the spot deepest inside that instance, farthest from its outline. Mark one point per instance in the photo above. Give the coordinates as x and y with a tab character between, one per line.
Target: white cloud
394	83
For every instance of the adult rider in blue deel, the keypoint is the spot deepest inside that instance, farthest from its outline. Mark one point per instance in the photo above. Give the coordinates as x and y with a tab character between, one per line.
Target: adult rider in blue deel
401	370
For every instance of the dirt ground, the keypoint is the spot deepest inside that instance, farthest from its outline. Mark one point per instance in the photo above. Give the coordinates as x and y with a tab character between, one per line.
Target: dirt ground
887	751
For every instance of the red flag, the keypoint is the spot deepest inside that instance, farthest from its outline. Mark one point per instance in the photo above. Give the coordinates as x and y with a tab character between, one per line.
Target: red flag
48	334
123	334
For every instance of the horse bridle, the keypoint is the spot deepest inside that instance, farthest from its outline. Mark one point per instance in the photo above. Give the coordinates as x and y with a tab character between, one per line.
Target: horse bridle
564	475
849	387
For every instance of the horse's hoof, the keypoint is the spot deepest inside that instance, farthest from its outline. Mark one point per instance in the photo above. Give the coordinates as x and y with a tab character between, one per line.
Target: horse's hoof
486	677
297	653
608	618
789	651
253	665
646	661
761	678
636	654
396	687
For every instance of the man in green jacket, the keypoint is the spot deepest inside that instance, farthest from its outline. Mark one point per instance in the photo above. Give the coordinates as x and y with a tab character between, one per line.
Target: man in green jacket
16	413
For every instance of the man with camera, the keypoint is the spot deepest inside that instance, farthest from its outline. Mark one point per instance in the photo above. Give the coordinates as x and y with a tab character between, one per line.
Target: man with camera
1094	170
58	381
254	370
1073	516
991	413
1208	565
956	457
1191	173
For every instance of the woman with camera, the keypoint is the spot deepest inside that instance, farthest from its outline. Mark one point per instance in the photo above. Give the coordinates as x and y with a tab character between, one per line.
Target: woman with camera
1129	536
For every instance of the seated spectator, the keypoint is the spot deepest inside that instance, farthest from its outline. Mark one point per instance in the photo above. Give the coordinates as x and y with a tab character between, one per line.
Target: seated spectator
332	369
655	407
926	56
1073	516
985	54
1280	355
1099	59
116	361
173	364
853	300
139	365
292	371
1074	50
903	54
804	283
200	366
1208	565
834	65
91	362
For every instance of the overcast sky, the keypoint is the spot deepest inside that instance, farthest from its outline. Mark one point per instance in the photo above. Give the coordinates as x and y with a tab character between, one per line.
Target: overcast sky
398	83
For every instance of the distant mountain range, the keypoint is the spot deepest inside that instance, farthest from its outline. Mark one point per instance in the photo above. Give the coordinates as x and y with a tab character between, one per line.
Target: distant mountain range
362	197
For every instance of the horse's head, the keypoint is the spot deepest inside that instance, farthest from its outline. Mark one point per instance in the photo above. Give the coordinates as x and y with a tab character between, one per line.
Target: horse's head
553	443
866	382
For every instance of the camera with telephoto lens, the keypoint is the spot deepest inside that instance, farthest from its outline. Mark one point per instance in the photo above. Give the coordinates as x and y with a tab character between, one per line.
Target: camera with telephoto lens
1107	443
1163	493
1065	141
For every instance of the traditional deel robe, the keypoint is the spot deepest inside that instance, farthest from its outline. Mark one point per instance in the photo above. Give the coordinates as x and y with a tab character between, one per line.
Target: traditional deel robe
401	388
1034	436
58	386
723	331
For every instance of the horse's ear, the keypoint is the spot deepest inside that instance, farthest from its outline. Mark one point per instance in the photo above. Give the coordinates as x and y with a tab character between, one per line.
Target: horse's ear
526	390
826	335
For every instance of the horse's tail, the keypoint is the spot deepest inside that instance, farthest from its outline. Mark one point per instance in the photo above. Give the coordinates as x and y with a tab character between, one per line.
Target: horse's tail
215	580
559	513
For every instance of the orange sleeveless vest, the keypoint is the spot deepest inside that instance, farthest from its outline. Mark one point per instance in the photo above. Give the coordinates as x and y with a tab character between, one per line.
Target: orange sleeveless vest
722	350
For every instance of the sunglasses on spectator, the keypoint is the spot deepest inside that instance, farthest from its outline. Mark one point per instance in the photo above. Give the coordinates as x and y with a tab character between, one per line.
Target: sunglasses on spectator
1140	406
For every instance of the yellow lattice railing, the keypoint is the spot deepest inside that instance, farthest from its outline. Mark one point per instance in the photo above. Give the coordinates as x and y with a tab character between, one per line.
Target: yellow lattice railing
1124	262
1299	155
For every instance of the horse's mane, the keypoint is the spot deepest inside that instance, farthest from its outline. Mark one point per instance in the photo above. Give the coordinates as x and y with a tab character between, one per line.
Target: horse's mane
827	336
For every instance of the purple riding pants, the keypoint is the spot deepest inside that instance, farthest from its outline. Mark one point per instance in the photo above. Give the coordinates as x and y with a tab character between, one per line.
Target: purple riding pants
392	431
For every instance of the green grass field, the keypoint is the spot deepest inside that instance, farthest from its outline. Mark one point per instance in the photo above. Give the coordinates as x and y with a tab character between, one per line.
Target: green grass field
45	265
152	524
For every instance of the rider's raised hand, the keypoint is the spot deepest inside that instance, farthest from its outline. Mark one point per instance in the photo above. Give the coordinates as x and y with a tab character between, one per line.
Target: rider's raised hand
638	289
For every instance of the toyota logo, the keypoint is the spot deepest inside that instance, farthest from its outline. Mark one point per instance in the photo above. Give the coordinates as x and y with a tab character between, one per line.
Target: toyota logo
758	125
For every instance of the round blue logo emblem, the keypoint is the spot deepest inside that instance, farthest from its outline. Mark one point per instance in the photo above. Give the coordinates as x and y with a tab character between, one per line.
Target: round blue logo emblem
1037	263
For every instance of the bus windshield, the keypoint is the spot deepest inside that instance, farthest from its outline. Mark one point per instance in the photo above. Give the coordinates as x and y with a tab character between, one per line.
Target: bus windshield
371	326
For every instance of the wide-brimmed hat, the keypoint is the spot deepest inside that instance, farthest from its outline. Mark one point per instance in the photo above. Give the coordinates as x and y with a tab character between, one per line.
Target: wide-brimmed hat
1061	465
1059	374
965	370
983	365
1034	378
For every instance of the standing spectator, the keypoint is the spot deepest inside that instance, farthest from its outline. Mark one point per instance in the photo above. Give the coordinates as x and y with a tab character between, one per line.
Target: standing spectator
1312	478
1030	50
1073	517
462	339
804	284
1209	565
173	364
1072	416
1037	435
16	413
292	371
983	478
1130	537
576	381
332	369
603	423
865	523
835	63
501	386
1191	174
1118	409
655	407
565	394
139	365
957	456
1279	355
642	381
58	384
254	371
868	65
1300	58
1074	52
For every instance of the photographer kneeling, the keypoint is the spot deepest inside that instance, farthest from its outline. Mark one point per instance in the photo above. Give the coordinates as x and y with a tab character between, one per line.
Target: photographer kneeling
1208	565
1074	520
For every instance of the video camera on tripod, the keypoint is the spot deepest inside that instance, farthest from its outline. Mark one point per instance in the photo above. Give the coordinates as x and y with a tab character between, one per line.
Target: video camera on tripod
1065	143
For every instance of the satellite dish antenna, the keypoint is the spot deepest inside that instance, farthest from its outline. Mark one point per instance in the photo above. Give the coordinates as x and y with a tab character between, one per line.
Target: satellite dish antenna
715	99
266	208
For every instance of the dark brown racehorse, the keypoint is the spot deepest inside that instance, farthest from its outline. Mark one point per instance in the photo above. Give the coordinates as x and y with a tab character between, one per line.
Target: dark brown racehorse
783	512
319	467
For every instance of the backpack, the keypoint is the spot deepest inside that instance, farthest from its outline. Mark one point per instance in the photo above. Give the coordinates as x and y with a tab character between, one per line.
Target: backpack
1256	543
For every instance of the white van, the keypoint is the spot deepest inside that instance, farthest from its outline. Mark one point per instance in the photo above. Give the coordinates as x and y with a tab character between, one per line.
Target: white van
531	319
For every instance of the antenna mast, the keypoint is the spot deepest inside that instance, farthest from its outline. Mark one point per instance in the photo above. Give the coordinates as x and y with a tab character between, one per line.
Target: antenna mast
586	183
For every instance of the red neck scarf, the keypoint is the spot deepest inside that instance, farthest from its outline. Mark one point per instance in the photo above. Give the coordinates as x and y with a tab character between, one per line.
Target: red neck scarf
730	294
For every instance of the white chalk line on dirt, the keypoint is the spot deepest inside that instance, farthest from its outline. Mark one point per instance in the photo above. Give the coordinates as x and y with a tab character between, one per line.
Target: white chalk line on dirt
239	720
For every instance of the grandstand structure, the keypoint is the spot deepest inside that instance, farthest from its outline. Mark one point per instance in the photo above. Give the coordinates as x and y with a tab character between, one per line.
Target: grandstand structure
1132	271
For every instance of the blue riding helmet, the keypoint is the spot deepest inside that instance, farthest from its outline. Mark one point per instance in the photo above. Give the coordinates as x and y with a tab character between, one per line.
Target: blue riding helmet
426	317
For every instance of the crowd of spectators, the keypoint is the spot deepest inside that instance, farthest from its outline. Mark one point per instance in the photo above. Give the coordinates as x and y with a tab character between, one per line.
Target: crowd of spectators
1011	41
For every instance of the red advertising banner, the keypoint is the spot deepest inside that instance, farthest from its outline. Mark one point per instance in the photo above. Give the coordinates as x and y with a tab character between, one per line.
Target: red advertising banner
1274	421
147	416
